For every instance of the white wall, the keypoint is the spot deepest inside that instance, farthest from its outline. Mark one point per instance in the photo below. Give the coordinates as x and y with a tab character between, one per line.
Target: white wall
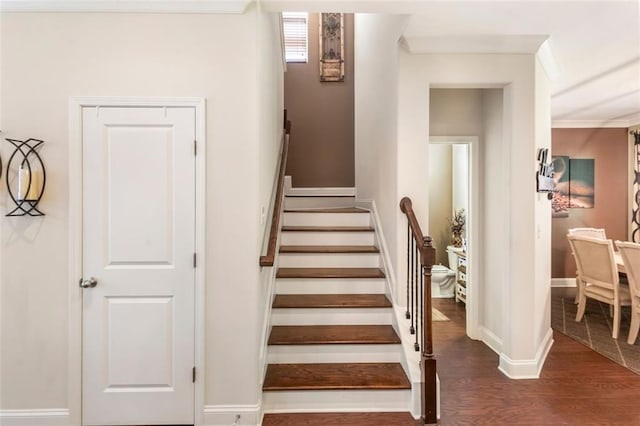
460	179
440	198
376	92
270	112
48	57
542	213
520	320
494	244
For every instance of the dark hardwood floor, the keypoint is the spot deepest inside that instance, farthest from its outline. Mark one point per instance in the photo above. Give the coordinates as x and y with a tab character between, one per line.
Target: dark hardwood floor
577	386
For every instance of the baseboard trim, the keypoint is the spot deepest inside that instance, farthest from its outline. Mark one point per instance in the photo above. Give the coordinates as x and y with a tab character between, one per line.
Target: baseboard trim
225	415
37	417
527	369
491	340
563	282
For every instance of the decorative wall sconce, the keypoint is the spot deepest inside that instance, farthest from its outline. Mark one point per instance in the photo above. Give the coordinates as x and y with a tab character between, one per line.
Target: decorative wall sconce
544	175
28	187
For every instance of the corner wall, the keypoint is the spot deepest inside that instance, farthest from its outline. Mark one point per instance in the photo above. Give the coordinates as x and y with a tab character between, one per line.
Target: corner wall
48	57
376	117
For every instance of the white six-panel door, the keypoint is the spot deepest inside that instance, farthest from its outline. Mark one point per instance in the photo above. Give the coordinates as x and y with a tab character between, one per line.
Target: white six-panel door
138	244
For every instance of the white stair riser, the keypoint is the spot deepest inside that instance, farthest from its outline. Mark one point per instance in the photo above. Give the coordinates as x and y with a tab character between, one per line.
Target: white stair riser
336	401
331	316
318	202
294	354
330	260
326	219
330	286
294	238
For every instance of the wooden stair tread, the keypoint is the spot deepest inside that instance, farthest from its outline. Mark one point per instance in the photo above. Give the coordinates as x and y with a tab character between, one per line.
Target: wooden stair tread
331	301
329	210
335	376
342	419
327	229
329	249
330	273
332	334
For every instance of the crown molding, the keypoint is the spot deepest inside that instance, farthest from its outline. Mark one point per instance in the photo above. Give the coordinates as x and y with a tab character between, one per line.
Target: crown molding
548	60
129	6
625	122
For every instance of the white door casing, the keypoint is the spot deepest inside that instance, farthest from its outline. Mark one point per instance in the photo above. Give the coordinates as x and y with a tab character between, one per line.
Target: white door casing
138	239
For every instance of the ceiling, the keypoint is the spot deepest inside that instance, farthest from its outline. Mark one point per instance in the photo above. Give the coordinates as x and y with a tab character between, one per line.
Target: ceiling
590	48
594	48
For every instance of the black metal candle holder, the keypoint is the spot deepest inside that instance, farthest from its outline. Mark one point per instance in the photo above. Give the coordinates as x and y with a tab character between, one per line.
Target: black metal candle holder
26	156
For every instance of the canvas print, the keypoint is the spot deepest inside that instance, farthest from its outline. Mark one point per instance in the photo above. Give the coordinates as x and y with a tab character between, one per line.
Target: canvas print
581	183
560	201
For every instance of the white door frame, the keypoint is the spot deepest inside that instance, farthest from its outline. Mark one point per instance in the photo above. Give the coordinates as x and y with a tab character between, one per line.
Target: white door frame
473	225
74	374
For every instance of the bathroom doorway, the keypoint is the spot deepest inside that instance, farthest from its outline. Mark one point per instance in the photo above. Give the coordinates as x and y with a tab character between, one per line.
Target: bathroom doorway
452	207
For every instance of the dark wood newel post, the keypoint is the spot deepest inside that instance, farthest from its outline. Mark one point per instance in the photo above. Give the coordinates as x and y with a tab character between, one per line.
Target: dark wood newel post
427	260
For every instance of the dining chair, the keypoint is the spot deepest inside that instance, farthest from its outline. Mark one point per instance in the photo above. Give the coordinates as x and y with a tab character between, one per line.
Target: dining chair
585	232
589	232
599	275
630	253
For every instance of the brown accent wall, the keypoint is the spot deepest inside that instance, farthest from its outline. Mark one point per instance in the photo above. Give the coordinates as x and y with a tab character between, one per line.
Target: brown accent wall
321	153
610	150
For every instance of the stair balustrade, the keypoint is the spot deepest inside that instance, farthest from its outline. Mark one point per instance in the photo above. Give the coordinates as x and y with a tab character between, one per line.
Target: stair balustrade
420	259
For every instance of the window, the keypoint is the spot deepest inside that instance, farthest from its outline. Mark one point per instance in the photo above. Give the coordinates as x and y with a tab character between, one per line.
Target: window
295	36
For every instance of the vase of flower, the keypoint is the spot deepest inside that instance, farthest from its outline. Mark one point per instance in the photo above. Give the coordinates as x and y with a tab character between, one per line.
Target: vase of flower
457	227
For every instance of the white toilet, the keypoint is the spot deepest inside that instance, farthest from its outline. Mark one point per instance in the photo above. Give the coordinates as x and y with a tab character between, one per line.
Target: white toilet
443	279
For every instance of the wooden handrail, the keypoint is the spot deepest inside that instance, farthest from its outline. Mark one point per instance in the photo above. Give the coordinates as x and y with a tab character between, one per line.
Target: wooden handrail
269	258
428	364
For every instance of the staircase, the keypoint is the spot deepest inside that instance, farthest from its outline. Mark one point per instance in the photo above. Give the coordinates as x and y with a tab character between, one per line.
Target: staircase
332	346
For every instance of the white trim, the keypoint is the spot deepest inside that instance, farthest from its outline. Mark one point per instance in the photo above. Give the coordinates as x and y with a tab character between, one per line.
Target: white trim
201	244
563	282
215	415
491	339
130	6
473	225
74	374
320	192
633	120
46	417
592	124
527	369
548	60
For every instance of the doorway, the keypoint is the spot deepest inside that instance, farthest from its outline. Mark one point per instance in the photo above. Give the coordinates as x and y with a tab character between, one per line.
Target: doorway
453	190
140	293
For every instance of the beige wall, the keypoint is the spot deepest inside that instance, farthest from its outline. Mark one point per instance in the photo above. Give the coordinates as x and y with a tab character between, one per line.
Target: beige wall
609	148
46	58
440	198
322	116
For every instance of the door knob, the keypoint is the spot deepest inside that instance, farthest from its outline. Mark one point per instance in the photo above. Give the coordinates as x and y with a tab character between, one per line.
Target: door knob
90	283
